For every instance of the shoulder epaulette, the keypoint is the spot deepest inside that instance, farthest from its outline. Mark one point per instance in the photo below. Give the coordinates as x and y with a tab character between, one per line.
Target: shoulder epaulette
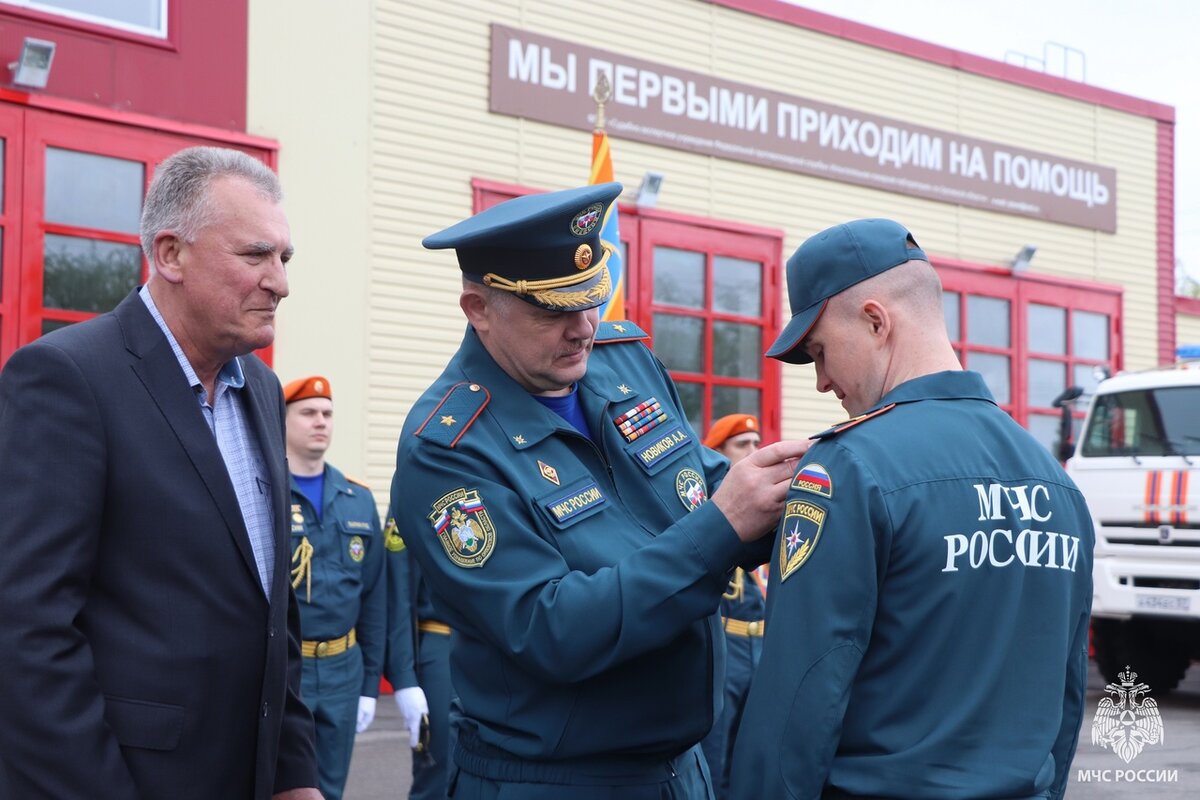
454	414
356	481
619	331
850	423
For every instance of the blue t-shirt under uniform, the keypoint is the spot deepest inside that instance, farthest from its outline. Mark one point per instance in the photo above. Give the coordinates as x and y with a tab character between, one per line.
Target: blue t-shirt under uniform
567	406
312	487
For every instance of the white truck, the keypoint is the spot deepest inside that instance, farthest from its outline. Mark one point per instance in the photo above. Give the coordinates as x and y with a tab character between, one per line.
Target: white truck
1138	465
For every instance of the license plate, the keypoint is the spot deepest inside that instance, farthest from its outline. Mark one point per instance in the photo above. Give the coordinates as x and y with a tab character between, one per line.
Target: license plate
1163	602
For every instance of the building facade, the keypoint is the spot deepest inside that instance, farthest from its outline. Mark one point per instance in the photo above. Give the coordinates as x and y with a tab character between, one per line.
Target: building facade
766	122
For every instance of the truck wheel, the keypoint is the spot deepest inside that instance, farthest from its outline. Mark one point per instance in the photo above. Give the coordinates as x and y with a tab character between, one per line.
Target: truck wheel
1157	650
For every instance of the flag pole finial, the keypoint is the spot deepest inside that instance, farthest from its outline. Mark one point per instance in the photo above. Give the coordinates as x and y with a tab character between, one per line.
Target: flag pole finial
601	94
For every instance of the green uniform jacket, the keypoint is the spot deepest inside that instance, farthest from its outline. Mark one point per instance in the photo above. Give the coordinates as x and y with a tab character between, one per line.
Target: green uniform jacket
581	579
348	583
927	621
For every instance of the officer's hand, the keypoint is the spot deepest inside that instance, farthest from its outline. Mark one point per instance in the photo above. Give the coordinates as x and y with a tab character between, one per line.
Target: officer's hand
412	705
366	713
751	496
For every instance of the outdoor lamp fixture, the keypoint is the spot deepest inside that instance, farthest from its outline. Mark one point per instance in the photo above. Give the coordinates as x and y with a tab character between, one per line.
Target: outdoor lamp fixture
33	68
647	196
1024	256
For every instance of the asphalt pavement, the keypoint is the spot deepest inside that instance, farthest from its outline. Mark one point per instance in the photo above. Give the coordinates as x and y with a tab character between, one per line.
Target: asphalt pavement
1168	770
381	768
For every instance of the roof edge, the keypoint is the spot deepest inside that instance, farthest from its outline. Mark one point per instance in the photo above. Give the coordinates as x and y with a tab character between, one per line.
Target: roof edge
955	59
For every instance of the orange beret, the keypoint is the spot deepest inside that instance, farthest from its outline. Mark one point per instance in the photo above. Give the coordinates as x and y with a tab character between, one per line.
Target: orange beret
304	388
729	426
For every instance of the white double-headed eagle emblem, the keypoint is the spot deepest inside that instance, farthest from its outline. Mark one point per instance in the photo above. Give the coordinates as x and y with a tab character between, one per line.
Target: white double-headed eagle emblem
1127	720
460	525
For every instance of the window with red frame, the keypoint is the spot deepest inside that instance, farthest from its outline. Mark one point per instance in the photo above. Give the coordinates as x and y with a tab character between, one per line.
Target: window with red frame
147	17
1032	338
69	218
709	298
708	293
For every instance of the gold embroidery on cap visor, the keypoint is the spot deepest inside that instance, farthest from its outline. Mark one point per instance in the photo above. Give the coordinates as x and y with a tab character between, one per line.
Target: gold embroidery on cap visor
549	292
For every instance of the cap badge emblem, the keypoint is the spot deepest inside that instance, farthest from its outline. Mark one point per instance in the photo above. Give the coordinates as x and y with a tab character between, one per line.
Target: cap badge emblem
583	256
585	221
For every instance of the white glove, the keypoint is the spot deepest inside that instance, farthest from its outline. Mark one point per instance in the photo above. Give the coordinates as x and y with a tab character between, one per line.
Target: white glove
366	713
413	706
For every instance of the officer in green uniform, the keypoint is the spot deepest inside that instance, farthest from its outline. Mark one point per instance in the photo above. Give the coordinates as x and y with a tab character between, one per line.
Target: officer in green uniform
927	621
418	667
743	608
558	503
338	577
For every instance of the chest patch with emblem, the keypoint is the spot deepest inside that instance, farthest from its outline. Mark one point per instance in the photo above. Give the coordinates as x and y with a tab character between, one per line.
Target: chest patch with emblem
690	487
463	527
802	524
356	548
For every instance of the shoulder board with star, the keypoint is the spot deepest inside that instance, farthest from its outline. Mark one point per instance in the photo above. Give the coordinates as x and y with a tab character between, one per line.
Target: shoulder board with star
357	482
850	423
461	406
619	331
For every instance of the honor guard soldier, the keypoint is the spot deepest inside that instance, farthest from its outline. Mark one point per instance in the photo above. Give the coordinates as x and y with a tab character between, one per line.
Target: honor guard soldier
418	667
932	576
736	436
338	577
555	497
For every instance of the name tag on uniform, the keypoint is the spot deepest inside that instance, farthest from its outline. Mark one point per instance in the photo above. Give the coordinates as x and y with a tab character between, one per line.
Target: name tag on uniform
356	525
580	499
657	450
574	503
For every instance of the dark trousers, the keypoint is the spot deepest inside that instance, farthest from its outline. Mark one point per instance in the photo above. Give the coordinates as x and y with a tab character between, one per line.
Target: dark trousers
742	654
433	676
682	778
330	687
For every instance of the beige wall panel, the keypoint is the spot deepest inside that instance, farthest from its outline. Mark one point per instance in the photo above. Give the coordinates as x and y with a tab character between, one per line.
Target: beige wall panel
1021	118
1187	329
323	324
814	66
430	132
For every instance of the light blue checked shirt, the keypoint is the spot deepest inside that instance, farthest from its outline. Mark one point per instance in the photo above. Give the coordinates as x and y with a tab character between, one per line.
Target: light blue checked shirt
226	418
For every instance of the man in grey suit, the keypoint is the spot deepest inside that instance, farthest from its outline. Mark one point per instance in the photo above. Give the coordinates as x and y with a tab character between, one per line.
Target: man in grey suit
148	633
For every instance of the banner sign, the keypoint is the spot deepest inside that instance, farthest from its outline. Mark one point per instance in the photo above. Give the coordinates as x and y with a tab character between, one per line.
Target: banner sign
550	80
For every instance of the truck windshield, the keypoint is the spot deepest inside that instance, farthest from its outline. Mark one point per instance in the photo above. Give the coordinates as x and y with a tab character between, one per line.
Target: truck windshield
1146	422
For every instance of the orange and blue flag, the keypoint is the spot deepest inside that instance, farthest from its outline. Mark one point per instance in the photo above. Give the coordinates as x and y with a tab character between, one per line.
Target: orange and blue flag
602	172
